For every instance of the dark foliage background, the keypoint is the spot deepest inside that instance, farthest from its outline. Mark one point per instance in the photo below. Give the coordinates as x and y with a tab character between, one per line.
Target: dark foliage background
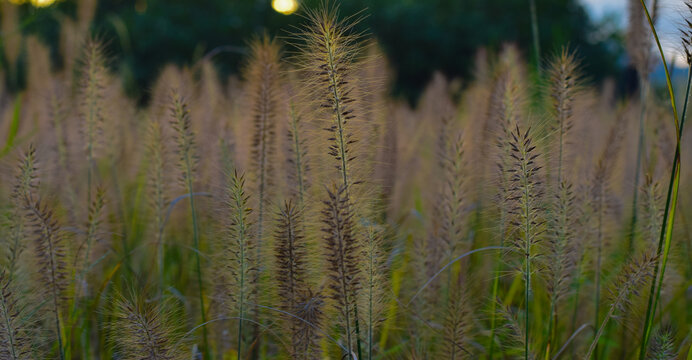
419	36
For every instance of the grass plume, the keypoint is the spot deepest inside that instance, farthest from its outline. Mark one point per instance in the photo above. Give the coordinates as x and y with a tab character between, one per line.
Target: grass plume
372	297
297	156
145	331
182	124
342	254
92	88
239	250
663	345
330	49
24	191
156	150
506	109
560	257
525	197
310	310
600	194
14	341
50	250
262	76
629	282
291	254
564	86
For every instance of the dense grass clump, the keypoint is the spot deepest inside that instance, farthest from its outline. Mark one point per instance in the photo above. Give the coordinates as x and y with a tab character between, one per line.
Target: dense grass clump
299	212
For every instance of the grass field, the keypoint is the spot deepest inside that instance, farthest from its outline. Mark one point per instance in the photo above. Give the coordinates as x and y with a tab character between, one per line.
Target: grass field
298	211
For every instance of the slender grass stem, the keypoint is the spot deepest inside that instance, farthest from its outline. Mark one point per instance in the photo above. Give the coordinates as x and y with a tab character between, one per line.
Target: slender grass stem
241	313
594	344
671	198
599	251
53	264
195	238
341	145
643	91
527	261
10	333
299	155
371	288
577	292
496	286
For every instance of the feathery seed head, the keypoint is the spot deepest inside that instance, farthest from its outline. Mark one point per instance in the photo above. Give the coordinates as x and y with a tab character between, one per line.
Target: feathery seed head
182	124
144	330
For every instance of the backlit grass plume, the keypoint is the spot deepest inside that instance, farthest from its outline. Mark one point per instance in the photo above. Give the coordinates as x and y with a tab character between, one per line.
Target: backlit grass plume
15	343
356	201
49	249
600	193
330	49
457	325
373	293
652	211
564	86
560	259
156	151
513	334
526	202
310	312
24	192
93	231
343	252
182	124
663	345
92	87
630	282
451	198
506	109
262	76
144	330
297	156
290	267
239	252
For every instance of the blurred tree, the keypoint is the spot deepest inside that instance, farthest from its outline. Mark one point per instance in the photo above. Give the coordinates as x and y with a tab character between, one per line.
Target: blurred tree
419	36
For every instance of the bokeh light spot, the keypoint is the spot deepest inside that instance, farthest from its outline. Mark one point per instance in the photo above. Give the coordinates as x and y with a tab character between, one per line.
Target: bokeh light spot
42	3
285	7
35	3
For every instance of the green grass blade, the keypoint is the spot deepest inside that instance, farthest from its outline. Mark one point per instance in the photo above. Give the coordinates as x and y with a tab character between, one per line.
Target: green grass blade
14	126
671	201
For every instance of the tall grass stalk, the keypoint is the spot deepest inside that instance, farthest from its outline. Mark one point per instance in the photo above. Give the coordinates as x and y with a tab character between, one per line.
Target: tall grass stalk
298	152
182	124
508	108
15	344
643	91
342	253
664	242
633	276
525	196
564	85
239	249
331	48
156	151
639	49
374	289
50	253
